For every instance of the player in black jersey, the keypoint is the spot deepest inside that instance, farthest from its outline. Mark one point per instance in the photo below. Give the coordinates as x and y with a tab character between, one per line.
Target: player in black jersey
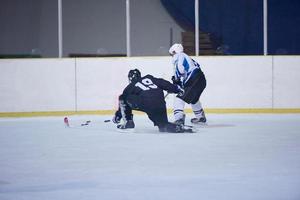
146	94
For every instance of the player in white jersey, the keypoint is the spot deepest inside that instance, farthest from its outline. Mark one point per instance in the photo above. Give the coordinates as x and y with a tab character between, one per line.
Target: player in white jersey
190	77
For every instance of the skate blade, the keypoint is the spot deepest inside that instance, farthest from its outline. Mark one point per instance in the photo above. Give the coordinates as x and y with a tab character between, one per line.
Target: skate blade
200	123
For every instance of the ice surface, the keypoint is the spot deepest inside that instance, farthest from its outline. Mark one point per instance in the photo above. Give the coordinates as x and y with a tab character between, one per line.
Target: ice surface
235	157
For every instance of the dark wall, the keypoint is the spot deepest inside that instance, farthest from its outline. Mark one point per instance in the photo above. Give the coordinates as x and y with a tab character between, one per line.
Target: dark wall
284	27
238	24
90	27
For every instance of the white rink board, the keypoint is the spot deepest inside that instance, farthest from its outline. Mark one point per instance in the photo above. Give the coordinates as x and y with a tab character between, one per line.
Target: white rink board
32	85
232	82
287	82
101	80
237	82
82	84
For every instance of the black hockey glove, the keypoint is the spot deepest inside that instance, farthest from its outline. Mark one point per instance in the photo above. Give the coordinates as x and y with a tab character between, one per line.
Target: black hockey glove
176	81
117	118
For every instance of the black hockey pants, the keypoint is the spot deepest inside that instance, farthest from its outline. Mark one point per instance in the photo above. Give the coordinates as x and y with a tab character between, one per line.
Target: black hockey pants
194	88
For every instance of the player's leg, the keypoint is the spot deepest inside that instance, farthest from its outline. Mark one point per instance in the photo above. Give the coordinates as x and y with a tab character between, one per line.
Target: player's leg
160	118
197	89
178	110
158	115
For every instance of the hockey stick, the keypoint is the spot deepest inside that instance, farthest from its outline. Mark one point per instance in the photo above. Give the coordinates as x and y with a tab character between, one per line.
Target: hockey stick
166	95
67	123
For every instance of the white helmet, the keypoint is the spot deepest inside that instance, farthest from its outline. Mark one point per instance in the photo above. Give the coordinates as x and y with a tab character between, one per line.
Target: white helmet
176	48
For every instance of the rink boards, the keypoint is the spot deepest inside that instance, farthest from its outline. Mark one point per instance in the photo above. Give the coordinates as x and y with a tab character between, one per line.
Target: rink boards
92	85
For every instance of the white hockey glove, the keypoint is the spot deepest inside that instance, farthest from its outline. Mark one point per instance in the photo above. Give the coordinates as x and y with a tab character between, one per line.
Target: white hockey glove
180	91
117	118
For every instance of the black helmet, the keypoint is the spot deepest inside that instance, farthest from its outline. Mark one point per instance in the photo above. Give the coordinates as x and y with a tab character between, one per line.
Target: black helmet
134	75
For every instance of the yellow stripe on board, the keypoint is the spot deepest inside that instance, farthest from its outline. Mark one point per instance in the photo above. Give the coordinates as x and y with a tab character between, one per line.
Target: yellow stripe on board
250	110
111	112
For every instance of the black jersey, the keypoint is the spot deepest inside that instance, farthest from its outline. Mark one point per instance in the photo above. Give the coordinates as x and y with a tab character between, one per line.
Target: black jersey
150	90
146	94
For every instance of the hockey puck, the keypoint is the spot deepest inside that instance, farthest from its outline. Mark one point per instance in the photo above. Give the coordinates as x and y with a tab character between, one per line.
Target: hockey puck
107	120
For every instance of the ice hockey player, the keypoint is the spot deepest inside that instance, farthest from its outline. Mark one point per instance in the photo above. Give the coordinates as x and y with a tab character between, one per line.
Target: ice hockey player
190	77
146	94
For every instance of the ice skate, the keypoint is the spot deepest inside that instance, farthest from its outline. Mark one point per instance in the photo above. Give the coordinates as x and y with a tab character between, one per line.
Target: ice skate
180	128
180	121
176	128
201	120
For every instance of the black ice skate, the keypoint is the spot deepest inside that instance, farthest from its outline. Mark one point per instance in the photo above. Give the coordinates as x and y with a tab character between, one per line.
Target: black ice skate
176	128
180	128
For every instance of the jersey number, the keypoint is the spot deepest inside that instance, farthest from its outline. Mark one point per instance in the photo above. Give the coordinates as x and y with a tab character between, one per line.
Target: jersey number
146	84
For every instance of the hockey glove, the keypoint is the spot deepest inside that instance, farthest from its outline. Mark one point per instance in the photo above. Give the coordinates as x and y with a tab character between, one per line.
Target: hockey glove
117	118
176	81
180	91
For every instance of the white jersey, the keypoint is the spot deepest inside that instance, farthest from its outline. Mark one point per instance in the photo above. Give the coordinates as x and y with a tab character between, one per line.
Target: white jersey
184	66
